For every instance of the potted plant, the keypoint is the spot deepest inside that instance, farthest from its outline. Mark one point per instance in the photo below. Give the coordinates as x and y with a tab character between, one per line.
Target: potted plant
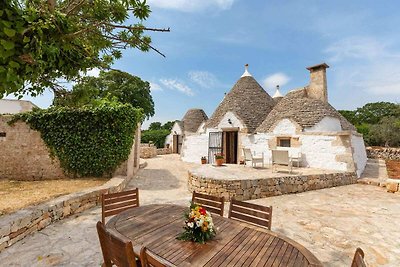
203	160
219	159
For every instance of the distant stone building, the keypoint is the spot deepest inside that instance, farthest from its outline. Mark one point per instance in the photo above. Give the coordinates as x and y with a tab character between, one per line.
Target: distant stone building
13	106
302	122
190	123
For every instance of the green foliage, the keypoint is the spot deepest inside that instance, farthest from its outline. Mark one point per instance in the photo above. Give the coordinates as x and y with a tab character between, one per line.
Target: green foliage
89	141
168	125
350	115
387	132
155	126
43	41
157	137
372	113
119	85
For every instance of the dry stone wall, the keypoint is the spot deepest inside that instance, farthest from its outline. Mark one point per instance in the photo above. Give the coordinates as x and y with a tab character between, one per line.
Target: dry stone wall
17	225
267	187
391	153
148	151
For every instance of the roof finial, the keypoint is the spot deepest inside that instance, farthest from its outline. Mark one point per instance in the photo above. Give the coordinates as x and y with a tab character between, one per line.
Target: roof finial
277	93
246	72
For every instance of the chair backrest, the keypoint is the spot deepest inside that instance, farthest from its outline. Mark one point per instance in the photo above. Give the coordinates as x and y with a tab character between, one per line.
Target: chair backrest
211	203
114	203
116	251
150	259
358	260
247	154
251	213
280	157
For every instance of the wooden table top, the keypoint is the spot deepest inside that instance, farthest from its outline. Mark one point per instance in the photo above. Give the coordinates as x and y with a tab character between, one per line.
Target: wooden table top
236	244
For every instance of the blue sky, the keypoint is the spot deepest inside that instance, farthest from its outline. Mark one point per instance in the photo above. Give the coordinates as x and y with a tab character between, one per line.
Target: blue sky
211	40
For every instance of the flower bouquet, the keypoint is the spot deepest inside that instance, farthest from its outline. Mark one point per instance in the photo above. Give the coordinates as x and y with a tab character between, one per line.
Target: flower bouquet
199	225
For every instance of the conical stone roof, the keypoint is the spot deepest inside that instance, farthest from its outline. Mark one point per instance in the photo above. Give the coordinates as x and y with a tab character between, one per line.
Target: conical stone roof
248	100
192	119
307	112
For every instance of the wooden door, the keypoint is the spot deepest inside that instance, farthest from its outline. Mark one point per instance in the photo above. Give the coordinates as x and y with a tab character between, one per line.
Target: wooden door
230	146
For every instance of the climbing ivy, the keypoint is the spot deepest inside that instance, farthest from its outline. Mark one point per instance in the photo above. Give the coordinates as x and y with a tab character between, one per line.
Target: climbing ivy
89	141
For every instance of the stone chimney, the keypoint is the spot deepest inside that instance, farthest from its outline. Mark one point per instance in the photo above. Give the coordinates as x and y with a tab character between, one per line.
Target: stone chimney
317	88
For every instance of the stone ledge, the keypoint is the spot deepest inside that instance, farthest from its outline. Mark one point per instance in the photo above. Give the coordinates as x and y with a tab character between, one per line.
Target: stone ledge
267	187
393	185
17	225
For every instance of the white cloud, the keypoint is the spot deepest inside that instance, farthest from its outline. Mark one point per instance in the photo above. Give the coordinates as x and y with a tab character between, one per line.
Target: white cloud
95	72
192	5
367	64
275	79
203	78
155	87
177	85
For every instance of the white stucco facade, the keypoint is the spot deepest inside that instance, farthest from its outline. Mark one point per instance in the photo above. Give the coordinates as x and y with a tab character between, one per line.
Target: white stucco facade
284	126
176	130
327	124
359	153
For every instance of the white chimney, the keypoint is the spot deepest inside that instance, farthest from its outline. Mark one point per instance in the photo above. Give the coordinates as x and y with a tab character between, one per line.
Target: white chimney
317	88
246	71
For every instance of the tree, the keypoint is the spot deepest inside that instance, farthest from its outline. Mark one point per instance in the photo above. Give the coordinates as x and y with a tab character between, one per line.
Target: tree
387	132
43	41
350	115
372	113
168	125
120	85
155	126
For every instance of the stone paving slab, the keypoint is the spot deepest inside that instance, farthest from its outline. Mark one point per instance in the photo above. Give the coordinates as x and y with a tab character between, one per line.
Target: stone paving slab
329	222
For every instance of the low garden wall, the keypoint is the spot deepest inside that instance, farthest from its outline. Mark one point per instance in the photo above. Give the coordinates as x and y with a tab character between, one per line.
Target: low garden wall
164	151
17	225
266	187
390	153
148	151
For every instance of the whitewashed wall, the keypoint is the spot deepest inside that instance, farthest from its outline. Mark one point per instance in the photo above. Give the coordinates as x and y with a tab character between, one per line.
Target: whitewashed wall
194	147
175	128
258	144
318	152
327	124
285	126
359	153
235	121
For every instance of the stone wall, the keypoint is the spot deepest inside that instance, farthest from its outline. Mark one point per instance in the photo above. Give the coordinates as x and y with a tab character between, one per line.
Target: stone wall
17	225
260	188
164	151
25	156
148	151
391	153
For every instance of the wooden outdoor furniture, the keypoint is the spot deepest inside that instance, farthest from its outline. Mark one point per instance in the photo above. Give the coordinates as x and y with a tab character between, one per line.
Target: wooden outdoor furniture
211	203
116	250
358	260
149	259
114	203
251	213
236	244
248	156
281	158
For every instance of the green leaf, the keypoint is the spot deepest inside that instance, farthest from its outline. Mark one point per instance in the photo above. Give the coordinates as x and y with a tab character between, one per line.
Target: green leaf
26	39
7	44
13	64
9	32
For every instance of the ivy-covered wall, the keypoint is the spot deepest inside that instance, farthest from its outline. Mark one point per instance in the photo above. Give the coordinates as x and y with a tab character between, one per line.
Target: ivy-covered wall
91	141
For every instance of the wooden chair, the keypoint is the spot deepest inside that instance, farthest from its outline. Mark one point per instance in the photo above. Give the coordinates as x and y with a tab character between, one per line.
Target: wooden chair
358	260
210	203
248	156
251	213
114	203
116	251
149	259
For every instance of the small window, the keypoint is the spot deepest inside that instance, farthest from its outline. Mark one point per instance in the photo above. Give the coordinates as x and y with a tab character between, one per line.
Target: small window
3	134
284	142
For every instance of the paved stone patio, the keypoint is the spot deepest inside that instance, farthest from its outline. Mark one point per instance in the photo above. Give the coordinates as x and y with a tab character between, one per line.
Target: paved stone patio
330	222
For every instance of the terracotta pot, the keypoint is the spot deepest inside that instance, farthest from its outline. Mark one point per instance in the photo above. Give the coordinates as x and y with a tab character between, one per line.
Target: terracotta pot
219	162
203	161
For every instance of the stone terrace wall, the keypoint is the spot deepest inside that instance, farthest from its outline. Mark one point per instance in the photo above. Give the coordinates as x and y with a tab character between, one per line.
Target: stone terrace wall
164	151
148	151
24	155
267	187
17	225
391	153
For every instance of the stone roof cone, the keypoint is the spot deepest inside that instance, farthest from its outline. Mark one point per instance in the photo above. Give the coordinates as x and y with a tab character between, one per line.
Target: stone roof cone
193	118
247	100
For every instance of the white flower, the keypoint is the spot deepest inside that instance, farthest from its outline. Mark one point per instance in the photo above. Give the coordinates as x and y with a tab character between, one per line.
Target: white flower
190	224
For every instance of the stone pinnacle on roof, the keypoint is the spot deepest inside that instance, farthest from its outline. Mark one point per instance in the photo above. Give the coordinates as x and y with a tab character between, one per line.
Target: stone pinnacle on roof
246	71
247	100
277	93
192	119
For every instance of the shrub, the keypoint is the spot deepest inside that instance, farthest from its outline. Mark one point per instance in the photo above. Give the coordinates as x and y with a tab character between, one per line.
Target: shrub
89	141
157	137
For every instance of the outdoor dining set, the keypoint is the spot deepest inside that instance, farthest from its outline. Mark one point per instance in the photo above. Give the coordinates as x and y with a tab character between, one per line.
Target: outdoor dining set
151	235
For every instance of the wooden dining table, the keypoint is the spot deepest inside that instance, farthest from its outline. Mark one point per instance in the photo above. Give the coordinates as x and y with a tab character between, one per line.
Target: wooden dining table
235	244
